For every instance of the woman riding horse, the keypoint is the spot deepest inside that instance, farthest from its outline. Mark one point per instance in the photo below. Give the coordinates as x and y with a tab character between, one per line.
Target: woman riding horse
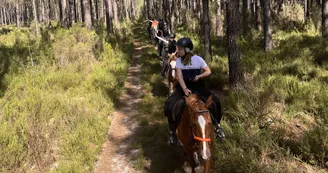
188	68
171	49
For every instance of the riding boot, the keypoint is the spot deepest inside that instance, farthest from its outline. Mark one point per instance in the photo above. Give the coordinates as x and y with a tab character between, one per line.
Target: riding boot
173	136
219	132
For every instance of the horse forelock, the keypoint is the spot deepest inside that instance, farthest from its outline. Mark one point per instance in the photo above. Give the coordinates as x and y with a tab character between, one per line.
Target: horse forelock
198	105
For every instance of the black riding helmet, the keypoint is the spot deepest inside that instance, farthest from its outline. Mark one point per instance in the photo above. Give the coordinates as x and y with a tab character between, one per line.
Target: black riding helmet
185	42
172	35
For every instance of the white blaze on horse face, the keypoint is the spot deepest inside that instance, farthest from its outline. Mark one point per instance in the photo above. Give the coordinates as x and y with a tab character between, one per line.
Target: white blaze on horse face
202	123
173	64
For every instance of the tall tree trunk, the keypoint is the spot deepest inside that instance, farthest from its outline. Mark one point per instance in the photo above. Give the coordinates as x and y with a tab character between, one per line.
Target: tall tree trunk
65	20
144	10
25	16
101	14
82	11
172	16
38	7
245	17
218	19
70	13
125	5
35	18
306	10
133	9
91	12
199	12
5	15
75	11
234	56
10	15
148	9
325	19
60	10
257	15
207	31
201	16
78	11
252	8
116	22
165	10
43	12
177	13
109	16
267	25
2	22
49	12
96	10
56	12
17	16
87	13
195	6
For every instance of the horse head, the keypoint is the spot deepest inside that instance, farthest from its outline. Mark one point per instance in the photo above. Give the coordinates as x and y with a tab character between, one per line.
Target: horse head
201	124
172	77
172	62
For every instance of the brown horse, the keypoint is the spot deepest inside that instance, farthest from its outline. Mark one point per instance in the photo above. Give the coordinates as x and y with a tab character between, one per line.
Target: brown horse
171	75
195	131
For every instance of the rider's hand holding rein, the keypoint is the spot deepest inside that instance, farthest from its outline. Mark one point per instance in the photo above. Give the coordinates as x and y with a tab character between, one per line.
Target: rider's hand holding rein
182	83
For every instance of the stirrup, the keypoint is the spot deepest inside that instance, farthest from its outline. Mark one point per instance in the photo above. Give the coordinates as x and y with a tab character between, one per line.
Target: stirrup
219	133
173	139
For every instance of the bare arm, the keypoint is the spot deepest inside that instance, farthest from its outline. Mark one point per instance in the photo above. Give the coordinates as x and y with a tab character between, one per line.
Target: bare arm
165	41
181	82
207	72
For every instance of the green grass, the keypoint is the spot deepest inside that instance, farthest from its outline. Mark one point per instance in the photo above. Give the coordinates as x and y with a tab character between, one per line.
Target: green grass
56	102
58	93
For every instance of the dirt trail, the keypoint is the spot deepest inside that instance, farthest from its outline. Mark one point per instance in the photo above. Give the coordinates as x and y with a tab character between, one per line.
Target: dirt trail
113	157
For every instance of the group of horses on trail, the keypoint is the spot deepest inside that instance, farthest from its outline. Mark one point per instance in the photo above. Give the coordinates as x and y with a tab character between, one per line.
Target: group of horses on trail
195	130
166	51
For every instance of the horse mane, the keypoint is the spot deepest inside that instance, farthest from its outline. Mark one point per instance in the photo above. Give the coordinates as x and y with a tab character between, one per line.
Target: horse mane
196	102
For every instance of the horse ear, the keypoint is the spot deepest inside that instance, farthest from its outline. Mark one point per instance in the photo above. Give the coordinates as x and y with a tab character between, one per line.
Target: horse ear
187	100
209	102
